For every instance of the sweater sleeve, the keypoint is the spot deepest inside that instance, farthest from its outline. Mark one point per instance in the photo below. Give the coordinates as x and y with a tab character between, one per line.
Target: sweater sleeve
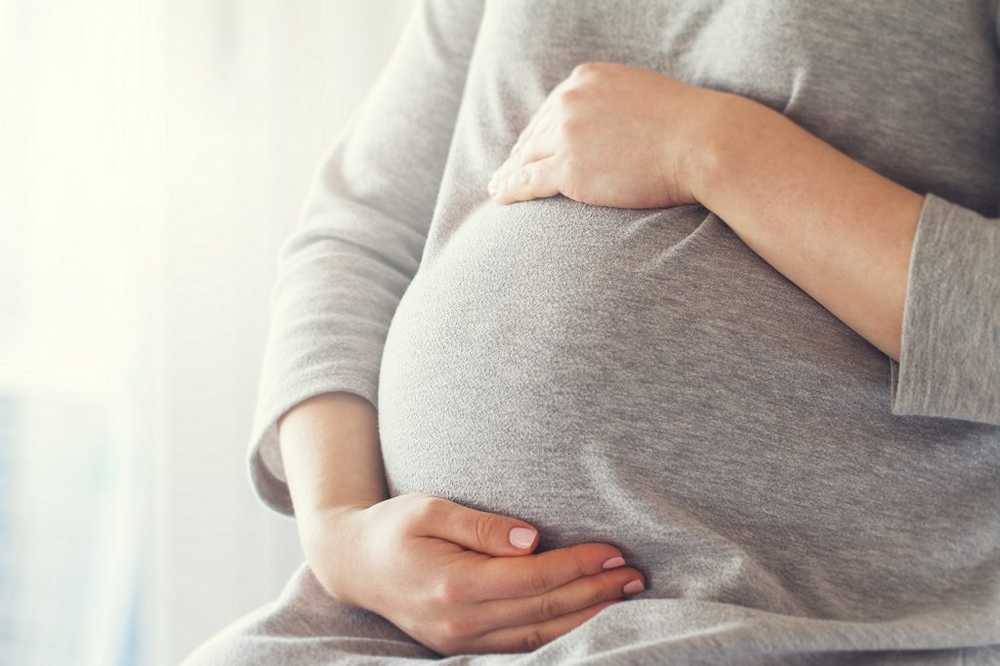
361	232
949	364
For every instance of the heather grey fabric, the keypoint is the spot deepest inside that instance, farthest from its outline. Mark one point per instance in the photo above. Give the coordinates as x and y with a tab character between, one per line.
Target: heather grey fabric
643	378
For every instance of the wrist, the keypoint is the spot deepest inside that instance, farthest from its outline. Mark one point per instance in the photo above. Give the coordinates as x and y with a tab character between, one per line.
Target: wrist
728	129
318	526
328	536
321	517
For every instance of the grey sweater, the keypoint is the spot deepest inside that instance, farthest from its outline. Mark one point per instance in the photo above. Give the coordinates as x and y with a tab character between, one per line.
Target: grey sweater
643	378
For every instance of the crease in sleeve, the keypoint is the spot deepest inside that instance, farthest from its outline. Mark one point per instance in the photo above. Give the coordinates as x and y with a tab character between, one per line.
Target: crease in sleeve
949	364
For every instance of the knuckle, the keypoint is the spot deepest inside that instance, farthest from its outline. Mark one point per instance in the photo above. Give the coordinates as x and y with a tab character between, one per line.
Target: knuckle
436	592
532	640
425	508
578	562
484	526
549	607
538	580
453	629
412	497
585	69
403	505
597	590
569	95
446	591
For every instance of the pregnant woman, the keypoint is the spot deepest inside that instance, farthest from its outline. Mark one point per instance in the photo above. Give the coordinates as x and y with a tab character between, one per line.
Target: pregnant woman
707	372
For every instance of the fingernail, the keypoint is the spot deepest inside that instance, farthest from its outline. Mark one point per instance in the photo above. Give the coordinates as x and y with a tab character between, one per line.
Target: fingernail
633	587
613	562
521	537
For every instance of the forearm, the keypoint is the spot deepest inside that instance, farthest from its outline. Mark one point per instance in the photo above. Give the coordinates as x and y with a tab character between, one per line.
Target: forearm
330	452
836	228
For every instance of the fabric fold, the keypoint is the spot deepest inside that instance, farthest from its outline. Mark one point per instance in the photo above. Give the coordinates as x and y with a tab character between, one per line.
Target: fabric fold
949	365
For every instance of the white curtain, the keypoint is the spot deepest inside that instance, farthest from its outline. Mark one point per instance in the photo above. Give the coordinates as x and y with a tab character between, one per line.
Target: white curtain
153	156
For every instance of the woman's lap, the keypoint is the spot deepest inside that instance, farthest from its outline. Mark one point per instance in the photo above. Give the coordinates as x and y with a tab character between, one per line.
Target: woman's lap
305	625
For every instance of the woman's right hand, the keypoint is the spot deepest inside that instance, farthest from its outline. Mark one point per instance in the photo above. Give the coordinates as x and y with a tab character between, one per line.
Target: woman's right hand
450	577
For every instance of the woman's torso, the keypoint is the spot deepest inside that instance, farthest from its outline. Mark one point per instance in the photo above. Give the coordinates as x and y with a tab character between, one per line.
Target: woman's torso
641	377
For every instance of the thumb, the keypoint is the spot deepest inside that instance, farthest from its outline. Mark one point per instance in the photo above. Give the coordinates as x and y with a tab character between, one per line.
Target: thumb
484	532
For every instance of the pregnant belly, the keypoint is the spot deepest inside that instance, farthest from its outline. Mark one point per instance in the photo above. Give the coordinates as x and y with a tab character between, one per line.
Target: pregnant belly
642	378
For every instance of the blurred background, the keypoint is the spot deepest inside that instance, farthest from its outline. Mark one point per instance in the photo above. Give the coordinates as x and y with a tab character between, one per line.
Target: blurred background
154	154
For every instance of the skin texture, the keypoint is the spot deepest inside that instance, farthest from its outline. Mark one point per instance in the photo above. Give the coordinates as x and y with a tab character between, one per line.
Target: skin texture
447	575
616	135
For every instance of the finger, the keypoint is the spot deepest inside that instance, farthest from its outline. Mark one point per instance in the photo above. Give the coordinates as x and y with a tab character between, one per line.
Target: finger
489	533
540	124
542	143
507	578
571	597
531	637
526	133
537	117
542	118
523	151
541	115
534	180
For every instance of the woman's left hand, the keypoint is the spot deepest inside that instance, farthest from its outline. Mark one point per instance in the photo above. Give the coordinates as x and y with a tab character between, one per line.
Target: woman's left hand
610	135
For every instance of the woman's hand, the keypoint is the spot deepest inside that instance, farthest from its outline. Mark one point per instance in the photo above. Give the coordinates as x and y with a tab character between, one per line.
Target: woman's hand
450	576
610	135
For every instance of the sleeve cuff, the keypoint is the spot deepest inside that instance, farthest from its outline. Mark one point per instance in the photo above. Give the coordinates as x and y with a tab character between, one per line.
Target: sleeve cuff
267	474
949	364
